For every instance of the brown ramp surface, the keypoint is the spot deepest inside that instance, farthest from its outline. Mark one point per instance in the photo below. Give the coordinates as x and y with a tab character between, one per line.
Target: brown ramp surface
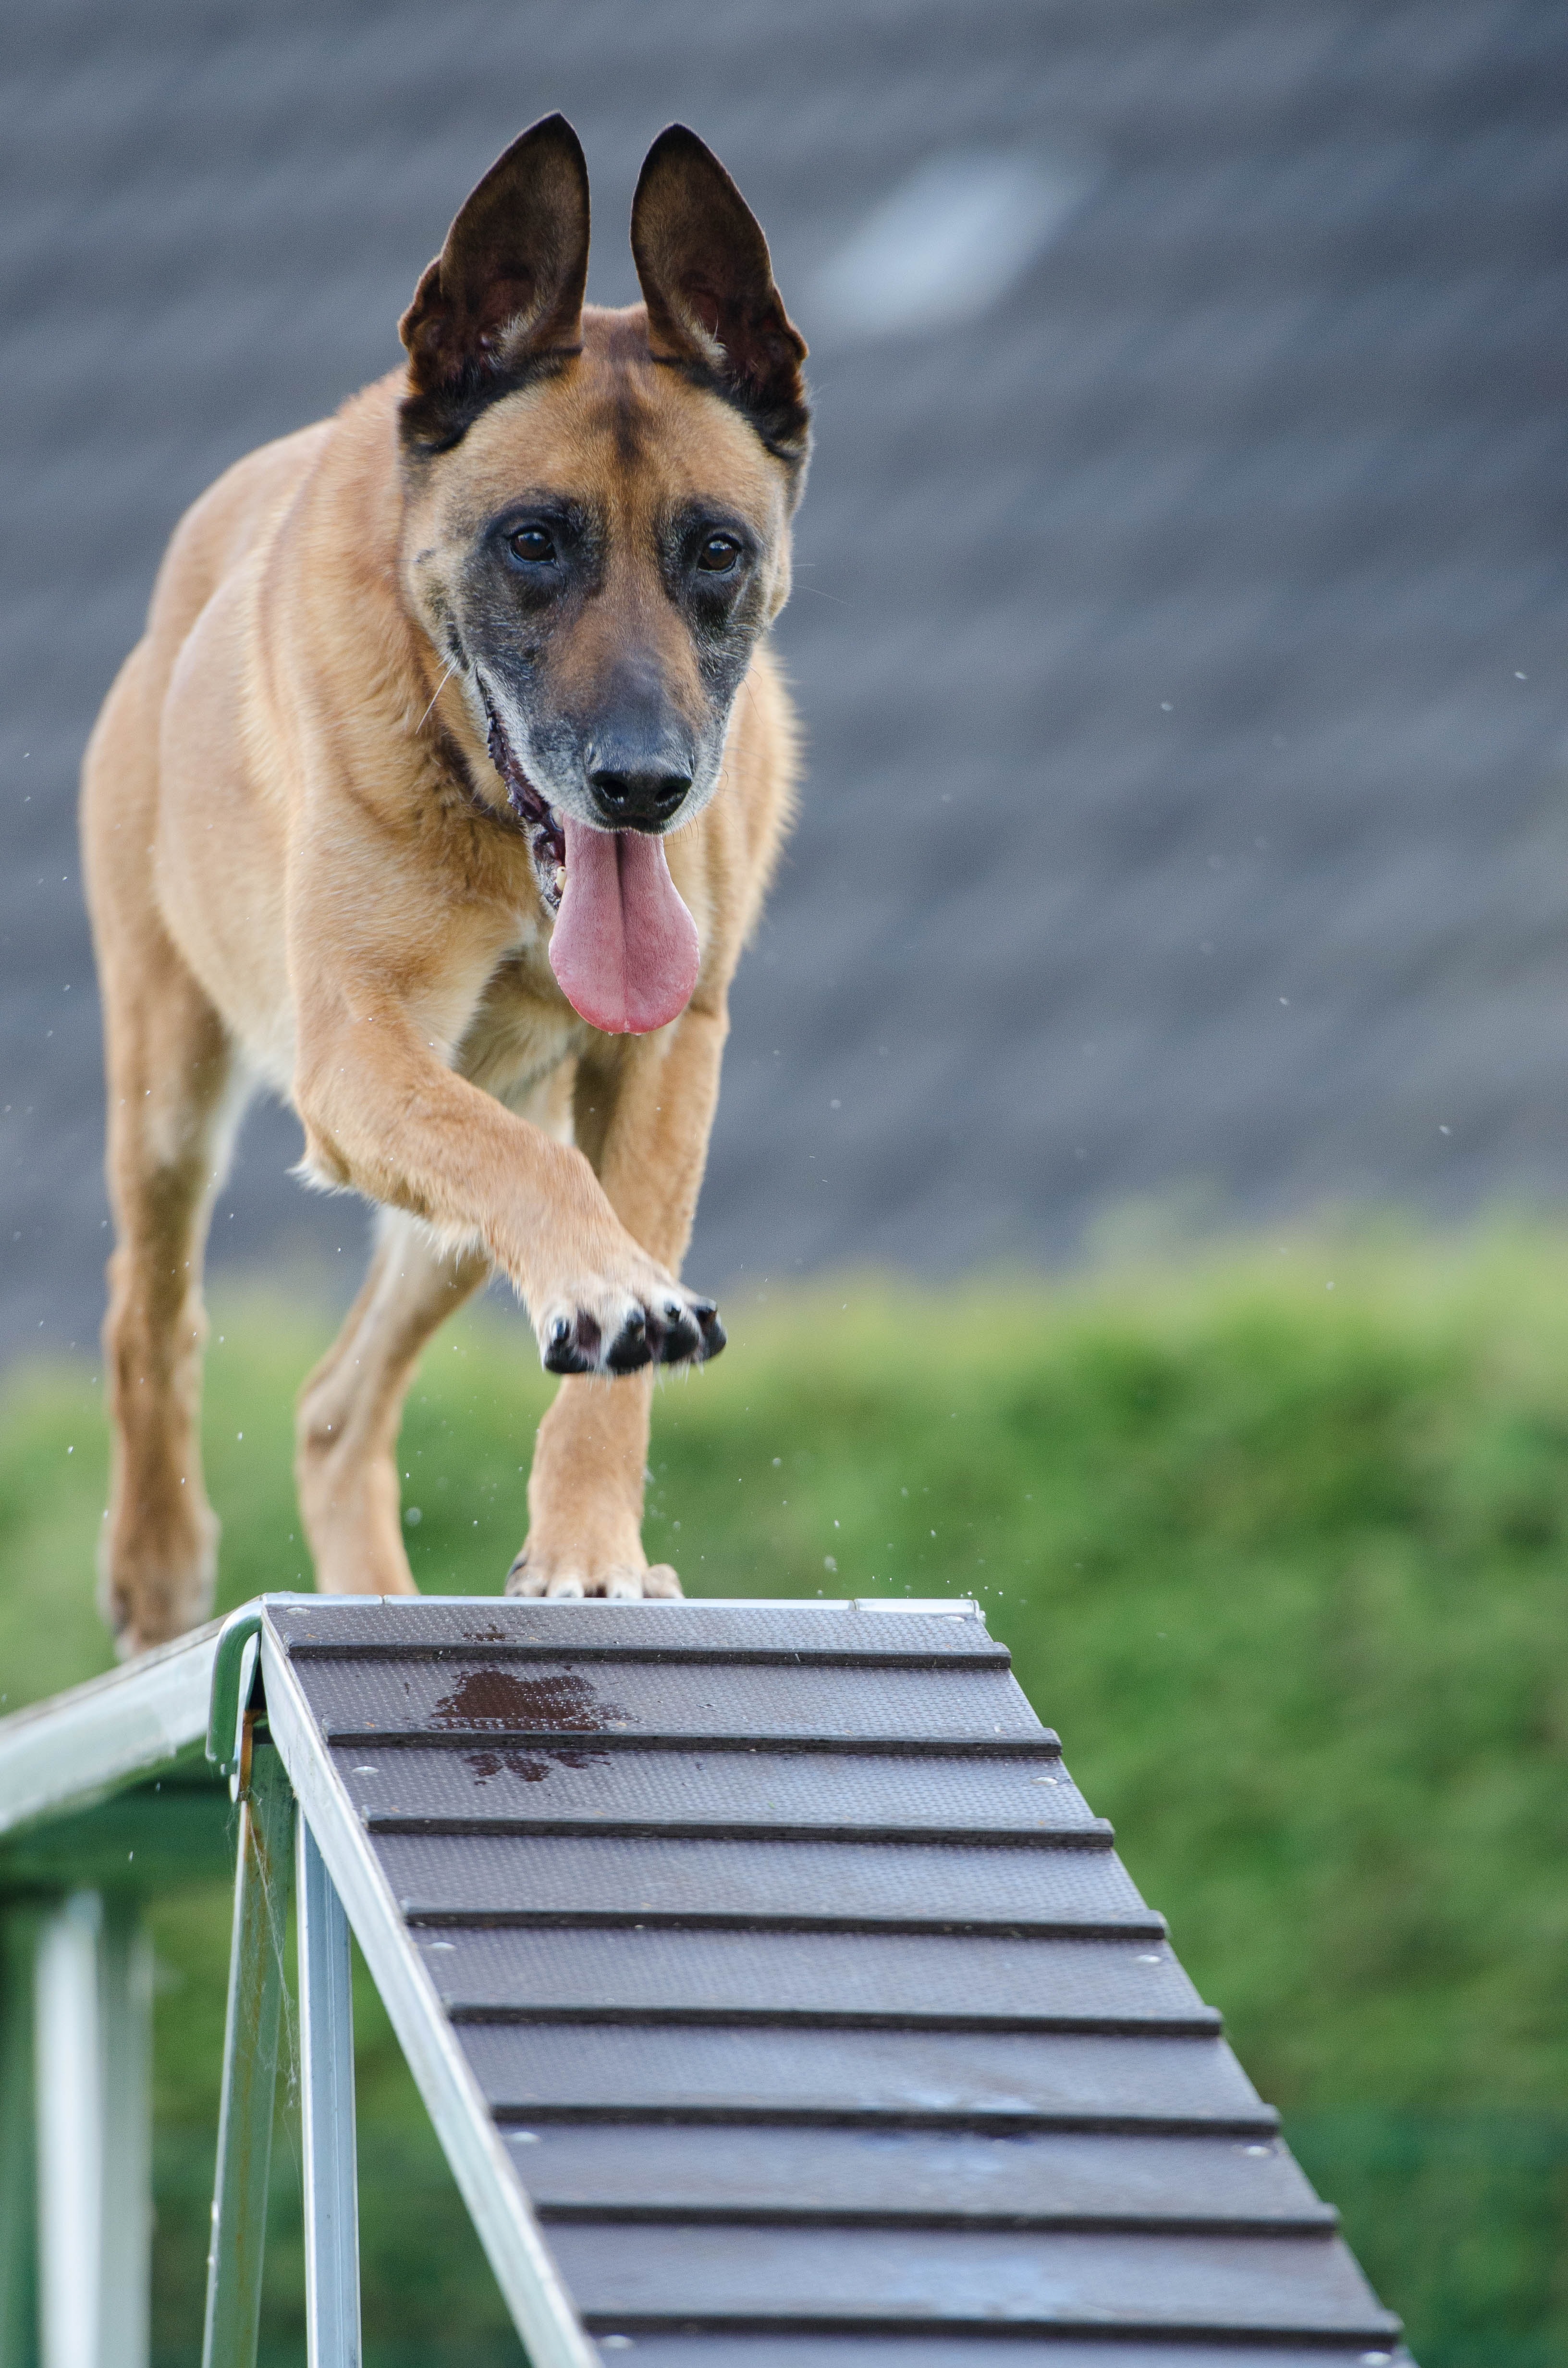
821	2025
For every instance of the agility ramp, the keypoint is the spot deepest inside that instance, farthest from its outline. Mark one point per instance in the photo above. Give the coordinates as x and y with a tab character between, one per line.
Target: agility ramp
777	1998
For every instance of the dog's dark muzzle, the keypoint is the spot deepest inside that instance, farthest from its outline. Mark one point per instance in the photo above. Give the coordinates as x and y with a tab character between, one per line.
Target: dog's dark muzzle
640	799
638	763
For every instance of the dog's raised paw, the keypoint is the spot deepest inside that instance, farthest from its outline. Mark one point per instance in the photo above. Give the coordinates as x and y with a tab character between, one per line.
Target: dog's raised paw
671	1326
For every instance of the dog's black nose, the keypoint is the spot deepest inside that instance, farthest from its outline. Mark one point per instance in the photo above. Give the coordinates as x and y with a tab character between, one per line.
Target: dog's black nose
638	799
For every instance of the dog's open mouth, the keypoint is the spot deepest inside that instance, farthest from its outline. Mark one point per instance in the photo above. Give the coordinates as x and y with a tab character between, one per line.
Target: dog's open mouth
624	949
540	824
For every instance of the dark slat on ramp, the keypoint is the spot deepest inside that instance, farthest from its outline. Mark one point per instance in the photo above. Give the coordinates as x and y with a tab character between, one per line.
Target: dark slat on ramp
822	2023
909	2075
697	2348
1216	2285
970	1703
489	1878
957	2176
830	1976
878	1795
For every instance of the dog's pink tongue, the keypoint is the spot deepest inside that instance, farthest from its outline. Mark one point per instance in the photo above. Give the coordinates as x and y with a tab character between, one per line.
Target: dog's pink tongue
625	948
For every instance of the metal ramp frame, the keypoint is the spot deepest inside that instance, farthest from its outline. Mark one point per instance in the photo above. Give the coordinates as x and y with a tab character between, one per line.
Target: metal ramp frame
775	1997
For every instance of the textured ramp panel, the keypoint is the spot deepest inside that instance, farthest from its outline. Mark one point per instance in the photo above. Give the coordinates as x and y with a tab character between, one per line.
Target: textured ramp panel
488	1876
621	2168
932	2075
474	1694
687	1791
1287	2285
664	1631
826	1975
803	1992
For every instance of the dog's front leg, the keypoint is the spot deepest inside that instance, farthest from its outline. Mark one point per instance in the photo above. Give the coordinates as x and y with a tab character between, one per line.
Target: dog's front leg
645	1121
385	1114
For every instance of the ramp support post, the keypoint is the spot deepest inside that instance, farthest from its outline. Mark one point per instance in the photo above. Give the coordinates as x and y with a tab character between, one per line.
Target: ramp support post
70	2131
326	2051
125	2240
250	2057
18	2226
91	2071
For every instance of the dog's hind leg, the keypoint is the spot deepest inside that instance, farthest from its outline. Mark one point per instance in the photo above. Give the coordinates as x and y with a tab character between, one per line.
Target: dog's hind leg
349	1410
174	1109
176	1094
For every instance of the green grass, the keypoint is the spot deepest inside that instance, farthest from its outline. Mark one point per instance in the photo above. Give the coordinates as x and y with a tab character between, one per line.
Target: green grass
1283	1562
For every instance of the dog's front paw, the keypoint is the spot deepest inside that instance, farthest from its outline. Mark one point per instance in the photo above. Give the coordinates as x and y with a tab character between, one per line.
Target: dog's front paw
606	1331
564	1577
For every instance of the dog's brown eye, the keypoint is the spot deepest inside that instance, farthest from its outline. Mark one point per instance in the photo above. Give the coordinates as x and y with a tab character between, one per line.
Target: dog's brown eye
719	554
532	542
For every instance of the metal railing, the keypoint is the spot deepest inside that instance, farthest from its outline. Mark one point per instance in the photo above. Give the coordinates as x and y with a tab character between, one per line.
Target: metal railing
75	2033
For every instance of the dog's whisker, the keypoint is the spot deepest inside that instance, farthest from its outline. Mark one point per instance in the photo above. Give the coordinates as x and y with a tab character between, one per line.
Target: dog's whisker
436	694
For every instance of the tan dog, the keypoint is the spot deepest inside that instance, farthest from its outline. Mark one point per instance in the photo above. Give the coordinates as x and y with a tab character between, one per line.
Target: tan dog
376	815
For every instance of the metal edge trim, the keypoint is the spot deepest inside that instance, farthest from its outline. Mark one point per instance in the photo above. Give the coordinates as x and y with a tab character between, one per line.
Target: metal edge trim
231	1686
67	1753
486	2171
939	1607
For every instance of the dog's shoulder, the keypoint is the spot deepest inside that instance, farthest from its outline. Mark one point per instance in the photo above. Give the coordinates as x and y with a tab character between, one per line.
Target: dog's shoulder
224	526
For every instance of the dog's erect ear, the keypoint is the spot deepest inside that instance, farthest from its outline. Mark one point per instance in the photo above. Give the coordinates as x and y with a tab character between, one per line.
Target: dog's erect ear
707	283
506	290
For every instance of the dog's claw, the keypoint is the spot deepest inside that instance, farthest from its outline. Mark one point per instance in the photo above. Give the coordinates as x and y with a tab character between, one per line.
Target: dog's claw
682	1340
713	1333
658	1331
572	1347
619	1582
630	1346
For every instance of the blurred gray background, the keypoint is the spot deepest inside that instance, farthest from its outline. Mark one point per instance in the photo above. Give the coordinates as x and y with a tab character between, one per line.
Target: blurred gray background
1183	578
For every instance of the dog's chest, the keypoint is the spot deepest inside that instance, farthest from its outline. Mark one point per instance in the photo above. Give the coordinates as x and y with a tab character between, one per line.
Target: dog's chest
523	1028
